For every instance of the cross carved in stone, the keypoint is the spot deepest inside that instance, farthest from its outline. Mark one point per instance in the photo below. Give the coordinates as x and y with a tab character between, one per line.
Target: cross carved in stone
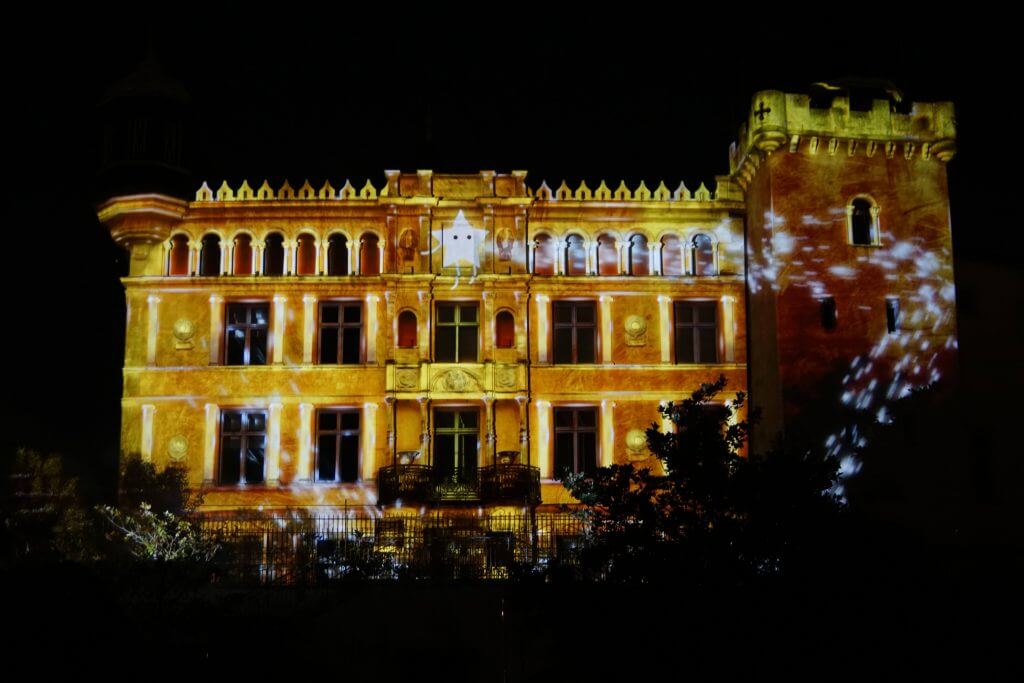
762	111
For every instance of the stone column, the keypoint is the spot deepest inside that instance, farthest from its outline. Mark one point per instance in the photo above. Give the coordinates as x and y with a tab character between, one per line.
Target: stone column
607	433
152	328
279	320
619	251
542	328
210	443
606	328
308	327
524	430
371	328
491	438
369	437
304	466
665	327
544	438
728	329
216	328
424	429
392	407
146	447
488	325
274	445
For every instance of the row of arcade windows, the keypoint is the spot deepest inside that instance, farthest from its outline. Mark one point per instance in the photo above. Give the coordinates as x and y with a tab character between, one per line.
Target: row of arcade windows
303	261
695	257
457	332
243	444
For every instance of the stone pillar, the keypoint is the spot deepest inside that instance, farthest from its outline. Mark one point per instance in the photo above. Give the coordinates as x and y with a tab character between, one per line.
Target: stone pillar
291	255
728	329
607	433
277	345
304	466
257	258
369	436
392	407
353	255
321	257
371	328
308	327
606	328
193	259
522	313
542	328
216	328
146	447
424	429
560	256
274	445
488	325
524	430
210	443
619	251
544	438
491	438
652	260
152	328
665	327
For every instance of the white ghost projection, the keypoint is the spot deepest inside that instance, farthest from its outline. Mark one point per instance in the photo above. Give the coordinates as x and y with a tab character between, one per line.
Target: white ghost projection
460	245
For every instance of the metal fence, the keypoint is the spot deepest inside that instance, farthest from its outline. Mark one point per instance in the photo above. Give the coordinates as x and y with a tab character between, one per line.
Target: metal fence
292	548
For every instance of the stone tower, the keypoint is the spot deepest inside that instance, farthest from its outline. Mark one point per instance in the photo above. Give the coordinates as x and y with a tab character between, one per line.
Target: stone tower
849	252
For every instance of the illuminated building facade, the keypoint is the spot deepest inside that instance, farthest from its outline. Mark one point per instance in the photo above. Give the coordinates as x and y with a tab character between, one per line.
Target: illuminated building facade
449	339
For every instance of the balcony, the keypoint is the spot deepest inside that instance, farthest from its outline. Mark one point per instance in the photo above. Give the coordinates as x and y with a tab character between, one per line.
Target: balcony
512	484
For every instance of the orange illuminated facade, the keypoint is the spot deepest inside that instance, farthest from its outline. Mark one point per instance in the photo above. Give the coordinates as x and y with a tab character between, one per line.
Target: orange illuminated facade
445	340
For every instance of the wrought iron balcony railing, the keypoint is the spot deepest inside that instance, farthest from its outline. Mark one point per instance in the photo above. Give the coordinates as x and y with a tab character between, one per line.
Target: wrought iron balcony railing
420	484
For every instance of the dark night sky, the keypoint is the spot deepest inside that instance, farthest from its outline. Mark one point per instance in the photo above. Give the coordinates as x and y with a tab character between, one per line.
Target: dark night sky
346	95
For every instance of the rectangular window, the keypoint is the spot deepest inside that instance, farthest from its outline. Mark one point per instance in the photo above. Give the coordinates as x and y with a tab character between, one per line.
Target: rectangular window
892	314
456	433
575	440
337	445
575	331
243	446
696	324
246	331
457	335
341	331
828	312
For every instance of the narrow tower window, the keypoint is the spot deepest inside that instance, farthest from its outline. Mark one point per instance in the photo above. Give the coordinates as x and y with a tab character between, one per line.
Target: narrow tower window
639	256
575	256
305	255
703	255
407	329
177	263
828	312
209	256
892	314
863	222
242	256
369	255
337	255
504	330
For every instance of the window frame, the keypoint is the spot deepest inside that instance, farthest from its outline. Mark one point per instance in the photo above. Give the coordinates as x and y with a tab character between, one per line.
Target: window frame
245	434
679	328
459	472
229	326
341	326
575	326
874	210
338	433
576	430
457	324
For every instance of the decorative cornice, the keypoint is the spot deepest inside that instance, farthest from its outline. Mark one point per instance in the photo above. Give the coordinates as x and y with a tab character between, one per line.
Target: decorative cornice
786	121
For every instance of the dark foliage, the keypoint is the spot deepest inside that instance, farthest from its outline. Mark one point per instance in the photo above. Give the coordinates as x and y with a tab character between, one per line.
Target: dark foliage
713	516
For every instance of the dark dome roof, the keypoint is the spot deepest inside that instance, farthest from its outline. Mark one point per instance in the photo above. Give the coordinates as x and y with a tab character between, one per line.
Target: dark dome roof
148	80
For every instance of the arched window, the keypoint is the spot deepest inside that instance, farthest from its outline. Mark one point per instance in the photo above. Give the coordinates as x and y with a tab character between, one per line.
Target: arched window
241	261
703	255
863	216
543	255
177	260
369	255
407	329
575	256
273	255
639	256
607	256
209	256
305	255
671	255
337	255
504	330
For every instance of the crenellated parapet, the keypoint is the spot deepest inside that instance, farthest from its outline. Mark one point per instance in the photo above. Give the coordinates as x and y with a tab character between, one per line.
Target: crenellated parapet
788	121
